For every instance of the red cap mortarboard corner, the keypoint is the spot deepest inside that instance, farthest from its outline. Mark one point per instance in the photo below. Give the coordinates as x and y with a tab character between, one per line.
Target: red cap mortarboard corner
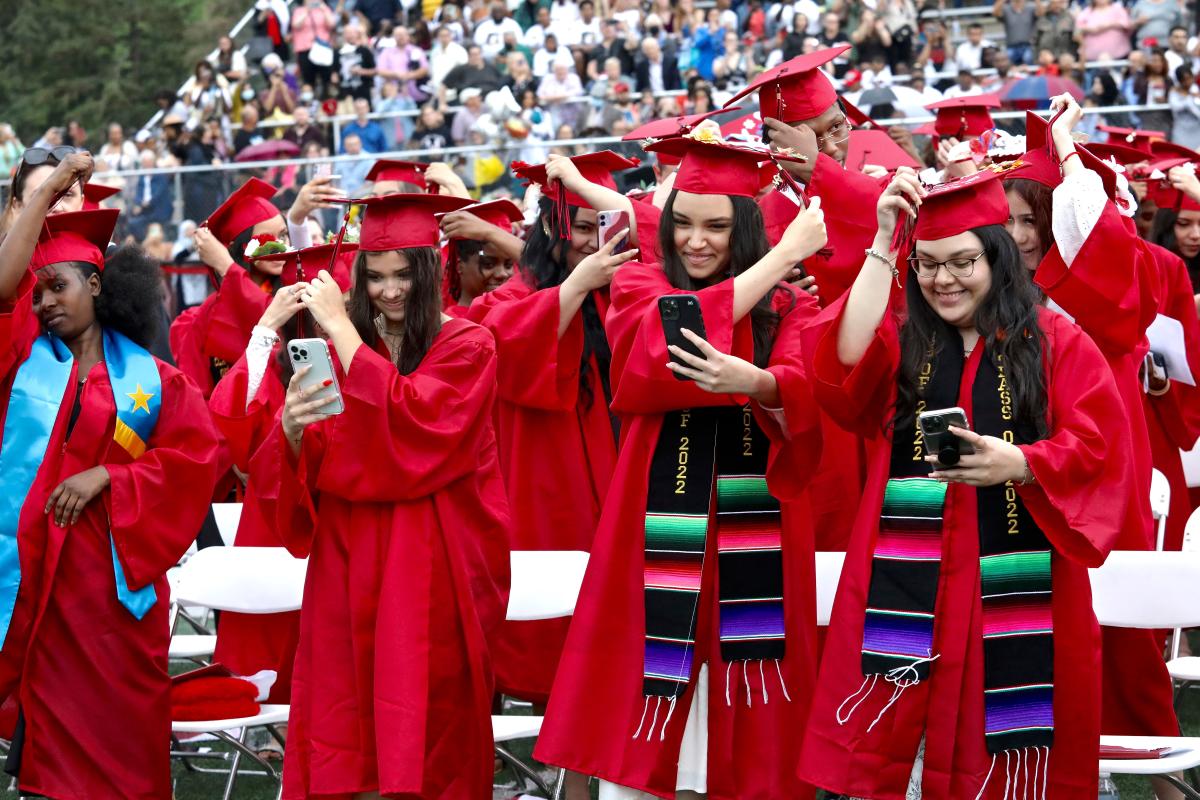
387	169
596	168
96	193
951	208
1139	140
401	221
1121	153
717	167
797	89
876	147
311	260
671	126
75	236
1042	165
961	117
1162	193
249	205
1161	149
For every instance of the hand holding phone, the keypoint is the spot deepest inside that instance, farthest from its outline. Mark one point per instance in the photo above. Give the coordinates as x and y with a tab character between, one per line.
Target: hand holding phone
612	224
939	441
314	353
679	311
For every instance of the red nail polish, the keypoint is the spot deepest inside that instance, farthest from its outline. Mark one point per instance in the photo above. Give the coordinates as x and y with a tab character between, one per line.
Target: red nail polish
328	383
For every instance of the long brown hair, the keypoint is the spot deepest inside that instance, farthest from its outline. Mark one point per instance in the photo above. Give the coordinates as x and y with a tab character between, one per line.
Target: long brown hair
422	311
1039	199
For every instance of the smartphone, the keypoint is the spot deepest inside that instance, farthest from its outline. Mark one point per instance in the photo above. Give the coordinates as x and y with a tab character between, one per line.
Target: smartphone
612	223
939	441
679	311
1155	371
315	352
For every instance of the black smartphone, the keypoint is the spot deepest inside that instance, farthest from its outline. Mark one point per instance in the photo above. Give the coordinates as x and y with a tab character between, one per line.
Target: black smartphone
939	441
679	311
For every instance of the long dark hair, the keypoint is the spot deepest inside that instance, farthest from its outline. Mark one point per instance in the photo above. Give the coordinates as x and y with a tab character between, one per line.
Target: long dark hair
1007	320
1039	198
1162	233
544	264
131	293
422	309
747	246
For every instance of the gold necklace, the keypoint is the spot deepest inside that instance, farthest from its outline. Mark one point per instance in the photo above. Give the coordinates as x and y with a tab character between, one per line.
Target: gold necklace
393	340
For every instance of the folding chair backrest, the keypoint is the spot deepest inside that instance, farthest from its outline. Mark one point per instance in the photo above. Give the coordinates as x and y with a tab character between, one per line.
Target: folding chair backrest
829	572
545	583
1191	465
249	580
1191	533
227	515
1160	494
1147	589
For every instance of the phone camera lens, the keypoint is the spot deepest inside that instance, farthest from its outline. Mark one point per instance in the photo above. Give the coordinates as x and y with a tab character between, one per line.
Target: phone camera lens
304	354
936	425
295	349
948	455
670	312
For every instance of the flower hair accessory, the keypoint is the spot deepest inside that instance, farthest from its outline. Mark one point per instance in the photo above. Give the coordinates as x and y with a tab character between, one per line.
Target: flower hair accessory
264	245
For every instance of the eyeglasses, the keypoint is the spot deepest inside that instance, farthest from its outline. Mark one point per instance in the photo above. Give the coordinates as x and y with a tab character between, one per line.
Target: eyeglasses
837	133
958	267
36	156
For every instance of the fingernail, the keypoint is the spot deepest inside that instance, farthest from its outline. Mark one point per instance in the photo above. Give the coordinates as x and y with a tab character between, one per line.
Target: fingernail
328	383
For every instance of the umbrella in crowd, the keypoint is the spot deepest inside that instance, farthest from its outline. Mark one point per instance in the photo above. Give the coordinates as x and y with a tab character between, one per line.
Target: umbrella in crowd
268	150
1036	91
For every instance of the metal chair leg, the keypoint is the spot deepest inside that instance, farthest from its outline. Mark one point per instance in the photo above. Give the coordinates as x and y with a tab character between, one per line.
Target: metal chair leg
559	785
523	770
1188	791
237	759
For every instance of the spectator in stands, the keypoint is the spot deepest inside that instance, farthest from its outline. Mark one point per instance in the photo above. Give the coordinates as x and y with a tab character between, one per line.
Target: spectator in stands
489	34
511	45
1185	108
934	56
476	73
871	38
1154	19
561	92
1177	53
611	45
353	172
278	99
583	34
706	45
527	12
520	75
432	132
231	62
1055	29
248	134
149	198
272	21
628	13
466	117
445	55
10	149
1153	87
656	71
117	153
900	19
1019	18
313	22
355	65
402	61
206	95
969	54
377	11
735	64
370	135
303	131
699	99
1102	30
564	11
535	35
832	35
1135	72
544	58
602	86
397	129
966	85
876	73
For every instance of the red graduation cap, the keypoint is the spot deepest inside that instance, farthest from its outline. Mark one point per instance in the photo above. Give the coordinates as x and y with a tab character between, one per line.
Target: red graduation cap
249	205
961	117
1166	196
717	167
596	167
401	221
1042	163
797	89
387	169
75	236
1162	149
311	260
876	147
1139	140
1120	153
501	213
963	204
671	126
96	193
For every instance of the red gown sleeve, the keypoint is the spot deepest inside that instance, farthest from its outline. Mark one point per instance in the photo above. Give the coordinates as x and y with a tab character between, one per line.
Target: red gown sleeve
641	382
858	399
403	437
1083	472
648	218
284	485
157	503
239	304
18	326
535	368
1110	286
1179	408
844	194
245	428
187	346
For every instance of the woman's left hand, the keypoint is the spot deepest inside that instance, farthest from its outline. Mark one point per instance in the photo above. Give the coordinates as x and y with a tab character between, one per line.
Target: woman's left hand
563	169
72	495
994	461
1071	115
323	299
717	372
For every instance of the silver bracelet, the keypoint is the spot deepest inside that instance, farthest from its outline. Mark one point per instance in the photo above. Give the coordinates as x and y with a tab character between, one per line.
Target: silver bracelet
872	253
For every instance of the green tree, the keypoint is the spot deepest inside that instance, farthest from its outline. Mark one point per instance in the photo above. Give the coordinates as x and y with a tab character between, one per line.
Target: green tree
100	61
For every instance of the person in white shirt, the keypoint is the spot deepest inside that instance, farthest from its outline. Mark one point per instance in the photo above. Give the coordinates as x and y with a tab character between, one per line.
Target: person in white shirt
966	85
561	91
535	37
564	12
628	13
544	58
876	73
445	55
812	13
969	54
489	34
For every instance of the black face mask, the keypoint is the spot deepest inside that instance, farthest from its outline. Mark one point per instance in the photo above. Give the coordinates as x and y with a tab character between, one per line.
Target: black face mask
654	31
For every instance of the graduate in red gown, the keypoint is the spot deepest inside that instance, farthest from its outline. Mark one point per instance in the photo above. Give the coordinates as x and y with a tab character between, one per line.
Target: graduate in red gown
1096	270
963	653
208	339
482	251
108	459
689	662
398	504
244	406
558	443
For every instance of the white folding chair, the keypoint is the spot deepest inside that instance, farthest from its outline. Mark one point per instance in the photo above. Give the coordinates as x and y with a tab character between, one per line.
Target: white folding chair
1160	504
1191	466
544	585
1150	590
247	580
1185	670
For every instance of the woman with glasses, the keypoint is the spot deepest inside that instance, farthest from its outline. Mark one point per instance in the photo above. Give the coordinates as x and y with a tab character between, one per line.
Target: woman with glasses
962	651
33	169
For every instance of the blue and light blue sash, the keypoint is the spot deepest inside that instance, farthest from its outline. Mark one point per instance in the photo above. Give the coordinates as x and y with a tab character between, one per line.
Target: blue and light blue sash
37	394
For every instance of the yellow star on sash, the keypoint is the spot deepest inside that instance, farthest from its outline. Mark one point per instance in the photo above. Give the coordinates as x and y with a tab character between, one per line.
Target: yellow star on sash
140	398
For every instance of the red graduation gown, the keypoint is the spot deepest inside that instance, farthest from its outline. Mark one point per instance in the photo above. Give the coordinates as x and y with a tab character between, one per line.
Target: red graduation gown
597	699
1174	417
90	678
557	455
1110	290
399	505
247	643
845	194
1078	501
212	336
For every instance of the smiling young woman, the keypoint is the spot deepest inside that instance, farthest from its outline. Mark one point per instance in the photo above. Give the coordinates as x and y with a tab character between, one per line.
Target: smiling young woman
914	643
